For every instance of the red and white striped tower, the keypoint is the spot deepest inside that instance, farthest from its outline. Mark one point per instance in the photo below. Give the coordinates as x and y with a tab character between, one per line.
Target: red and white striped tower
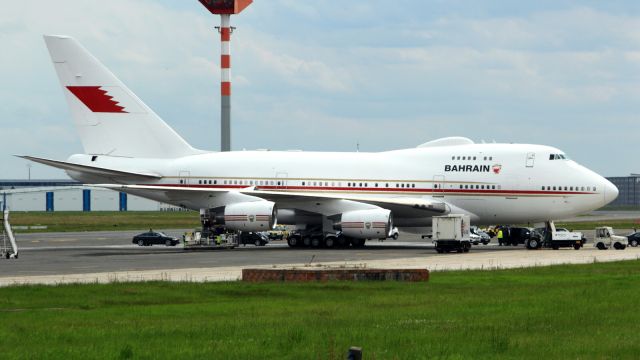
225	82
225	8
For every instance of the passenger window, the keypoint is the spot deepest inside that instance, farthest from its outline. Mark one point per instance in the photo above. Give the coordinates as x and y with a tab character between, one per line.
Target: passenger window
565	188
435	186
215	182
413	185
453	158
458	157
303	183
460	186
402	185
485	158
360	184
278	183
554	188
464	158
490	157
543	188
466	186
474	158
594	188
387	185
493	187
199	181
181	181
397	185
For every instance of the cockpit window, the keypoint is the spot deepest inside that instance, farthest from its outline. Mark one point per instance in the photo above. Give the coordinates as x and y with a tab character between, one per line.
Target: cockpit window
558	157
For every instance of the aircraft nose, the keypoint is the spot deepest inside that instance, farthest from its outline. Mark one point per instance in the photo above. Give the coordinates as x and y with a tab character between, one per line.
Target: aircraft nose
610	191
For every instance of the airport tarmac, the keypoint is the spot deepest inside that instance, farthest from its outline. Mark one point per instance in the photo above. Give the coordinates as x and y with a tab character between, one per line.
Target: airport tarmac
110	256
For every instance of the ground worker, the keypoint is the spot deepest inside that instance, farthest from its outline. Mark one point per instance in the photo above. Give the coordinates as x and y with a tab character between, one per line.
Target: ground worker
218	239
500	237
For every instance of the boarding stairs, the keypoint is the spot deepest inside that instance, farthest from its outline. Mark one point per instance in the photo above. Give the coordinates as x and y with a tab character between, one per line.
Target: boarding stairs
9	248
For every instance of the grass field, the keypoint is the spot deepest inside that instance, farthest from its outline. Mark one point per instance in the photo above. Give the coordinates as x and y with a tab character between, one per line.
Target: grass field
65	221
591	225
561	312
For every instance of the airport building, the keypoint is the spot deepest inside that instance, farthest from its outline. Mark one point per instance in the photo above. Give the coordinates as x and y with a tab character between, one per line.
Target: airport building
629	187
69	195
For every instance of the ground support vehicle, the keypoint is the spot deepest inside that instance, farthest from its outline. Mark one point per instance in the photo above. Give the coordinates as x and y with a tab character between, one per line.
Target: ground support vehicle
549	237
514	235
451	233
606	239
197	240
8	241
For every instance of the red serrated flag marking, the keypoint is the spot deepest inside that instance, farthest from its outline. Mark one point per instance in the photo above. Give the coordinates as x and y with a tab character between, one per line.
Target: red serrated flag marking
96	99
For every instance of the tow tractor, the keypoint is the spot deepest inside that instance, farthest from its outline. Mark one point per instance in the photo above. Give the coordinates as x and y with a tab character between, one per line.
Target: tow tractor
606	239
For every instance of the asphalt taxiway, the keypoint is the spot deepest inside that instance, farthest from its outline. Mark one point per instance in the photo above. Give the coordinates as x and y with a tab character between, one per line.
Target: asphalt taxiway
51	258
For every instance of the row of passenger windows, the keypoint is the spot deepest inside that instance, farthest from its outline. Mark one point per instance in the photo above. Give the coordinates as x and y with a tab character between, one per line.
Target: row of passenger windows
471	158
569	188
304	183
237	182
478	187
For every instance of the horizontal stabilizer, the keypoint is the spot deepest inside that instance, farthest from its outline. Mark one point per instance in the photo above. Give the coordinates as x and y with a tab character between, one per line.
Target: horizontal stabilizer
94	170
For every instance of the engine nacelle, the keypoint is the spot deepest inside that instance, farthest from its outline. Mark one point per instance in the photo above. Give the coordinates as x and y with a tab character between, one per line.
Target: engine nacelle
367	224
251	216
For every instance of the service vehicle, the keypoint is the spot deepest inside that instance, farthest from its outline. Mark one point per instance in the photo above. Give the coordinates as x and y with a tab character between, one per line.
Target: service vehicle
514	235
278	233
550	237
606	239
451	233
634	238
154	238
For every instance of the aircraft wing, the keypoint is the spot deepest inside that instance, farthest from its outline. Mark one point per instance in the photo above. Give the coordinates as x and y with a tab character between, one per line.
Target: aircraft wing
94	170
332	204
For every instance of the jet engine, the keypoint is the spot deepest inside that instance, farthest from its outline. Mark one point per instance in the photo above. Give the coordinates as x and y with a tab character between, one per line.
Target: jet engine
251	216
366	224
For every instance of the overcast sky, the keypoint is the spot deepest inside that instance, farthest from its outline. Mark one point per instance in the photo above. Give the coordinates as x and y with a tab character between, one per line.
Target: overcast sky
327	75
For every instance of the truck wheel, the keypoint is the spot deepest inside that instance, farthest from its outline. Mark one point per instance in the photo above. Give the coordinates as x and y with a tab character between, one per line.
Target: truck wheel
532	244
306	241
293	241
555	247
329	242
395	236
342	242
316	241
618	246
576	246
601	246
439	250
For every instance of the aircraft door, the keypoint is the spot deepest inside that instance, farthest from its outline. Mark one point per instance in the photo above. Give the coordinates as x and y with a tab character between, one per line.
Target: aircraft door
184	177
281	179
438	185
531	159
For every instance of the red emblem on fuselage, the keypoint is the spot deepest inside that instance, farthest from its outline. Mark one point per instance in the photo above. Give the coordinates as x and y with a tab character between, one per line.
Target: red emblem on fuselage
496	169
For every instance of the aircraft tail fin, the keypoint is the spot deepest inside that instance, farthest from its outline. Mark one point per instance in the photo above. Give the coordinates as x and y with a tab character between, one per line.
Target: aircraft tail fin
110	118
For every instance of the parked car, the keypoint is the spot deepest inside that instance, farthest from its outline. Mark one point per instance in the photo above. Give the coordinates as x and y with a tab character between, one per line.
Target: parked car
255	238
634	239
154	238
478	236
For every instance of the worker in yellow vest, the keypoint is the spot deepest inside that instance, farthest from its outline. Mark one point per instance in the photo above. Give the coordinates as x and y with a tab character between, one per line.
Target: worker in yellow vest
500	236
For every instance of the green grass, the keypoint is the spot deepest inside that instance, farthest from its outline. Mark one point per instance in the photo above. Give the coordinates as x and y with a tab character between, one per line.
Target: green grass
561	312
65	221
591	225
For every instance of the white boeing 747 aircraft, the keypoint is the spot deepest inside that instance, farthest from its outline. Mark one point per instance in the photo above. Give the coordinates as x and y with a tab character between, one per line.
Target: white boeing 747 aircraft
358	195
